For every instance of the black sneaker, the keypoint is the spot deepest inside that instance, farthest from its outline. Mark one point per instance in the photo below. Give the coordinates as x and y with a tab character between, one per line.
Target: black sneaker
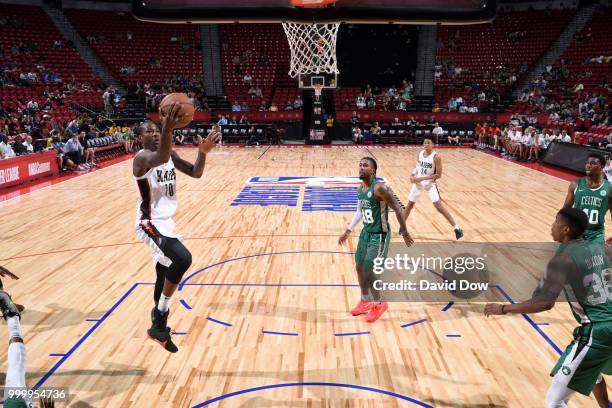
160	332
8	308
458	233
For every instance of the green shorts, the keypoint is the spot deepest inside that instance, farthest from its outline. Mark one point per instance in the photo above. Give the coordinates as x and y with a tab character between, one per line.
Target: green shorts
370	247
587	356
597	235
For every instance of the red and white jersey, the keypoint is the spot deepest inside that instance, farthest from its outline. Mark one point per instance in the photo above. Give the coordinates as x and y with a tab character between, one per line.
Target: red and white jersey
157	198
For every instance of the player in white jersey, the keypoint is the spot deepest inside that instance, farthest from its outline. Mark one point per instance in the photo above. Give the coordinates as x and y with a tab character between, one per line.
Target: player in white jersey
154	171
424	176
608	169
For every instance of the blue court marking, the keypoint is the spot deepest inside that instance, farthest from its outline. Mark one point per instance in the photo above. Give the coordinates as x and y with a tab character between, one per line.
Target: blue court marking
351	334
279	333
312	384
413	323
92	320
541	324
531	322
268	195
343	199
84	337
448	306
184	282
56	355
180	333
218	321
453	335
261	155
185	304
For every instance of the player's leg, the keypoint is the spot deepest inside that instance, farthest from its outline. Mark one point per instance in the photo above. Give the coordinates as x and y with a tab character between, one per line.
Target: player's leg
434	195
180	259
413	196
600	391
378	248
365	303
581	365
17	358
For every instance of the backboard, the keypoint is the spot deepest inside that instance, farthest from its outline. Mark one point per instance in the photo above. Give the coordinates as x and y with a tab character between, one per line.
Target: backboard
308	11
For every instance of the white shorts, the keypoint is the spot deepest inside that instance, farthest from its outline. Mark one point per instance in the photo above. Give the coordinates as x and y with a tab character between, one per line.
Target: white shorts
154	236
432	189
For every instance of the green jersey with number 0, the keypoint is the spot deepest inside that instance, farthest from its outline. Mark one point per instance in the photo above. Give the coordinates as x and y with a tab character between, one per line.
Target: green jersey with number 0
594	202
590	290
374	213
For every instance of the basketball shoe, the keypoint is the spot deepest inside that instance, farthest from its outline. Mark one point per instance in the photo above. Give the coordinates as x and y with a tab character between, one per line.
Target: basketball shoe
7	307
159	330
362	307
376	312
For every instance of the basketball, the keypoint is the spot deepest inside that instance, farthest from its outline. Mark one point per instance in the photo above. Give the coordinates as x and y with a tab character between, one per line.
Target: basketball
187	108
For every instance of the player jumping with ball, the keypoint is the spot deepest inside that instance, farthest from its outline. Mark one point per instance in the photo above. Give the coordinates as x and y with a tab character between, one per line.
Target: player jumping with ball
154	172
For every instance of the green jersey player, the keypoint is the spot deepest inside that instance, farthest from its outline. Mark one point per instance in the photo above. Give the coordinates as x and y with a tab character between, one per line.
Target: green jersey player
591	194
581	269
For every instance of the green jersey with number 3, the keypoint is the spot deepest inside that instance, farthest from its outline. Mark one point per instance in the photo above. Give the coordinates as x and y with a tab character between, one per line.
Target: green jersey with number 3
594	202
590	291
374	213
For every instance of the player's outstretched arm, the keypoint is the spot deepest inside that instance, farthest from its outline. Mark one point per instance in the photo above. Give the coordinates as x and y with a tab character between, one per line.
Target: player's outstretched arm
569	198
148	159
204	146
546	295
385	193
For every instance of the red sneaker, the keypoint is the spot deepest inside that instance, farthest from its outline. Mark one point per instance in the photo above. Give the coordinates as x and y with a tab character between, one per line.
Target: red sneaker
362	307
376	312
19	307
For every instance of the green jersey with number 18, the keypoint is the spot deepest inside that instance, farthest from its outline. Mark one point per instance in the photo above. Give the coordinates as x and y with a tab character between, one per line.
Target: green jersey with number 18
374	212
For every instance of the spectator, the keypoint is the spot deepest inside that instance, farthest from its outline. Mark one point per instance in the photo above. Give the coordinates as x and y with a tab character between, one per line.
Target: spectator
565	137
437	132
222	121
360	102
357	135
289	106
453	139
298	103
244	120
236	107
29	147
74	151
6	151
375	132
247	79
233	121
273	107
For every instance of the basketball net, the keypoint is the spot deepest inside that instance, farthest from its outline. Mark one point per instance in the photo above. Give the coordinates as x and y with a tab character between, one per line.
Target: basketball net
313	48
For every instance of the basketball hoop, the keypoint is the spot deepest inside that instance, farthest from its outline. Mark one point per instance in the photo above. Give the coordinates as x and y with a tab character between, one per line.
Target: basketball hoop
313	48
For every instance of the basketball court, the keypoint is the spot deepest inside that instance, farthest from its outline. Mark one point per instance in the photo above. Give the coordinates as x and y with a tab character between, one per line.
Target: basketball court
261	318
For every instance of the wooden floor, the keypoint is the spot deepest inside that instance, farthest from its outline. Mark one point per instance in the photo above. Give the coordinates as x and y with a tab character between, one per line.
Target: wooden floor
74	246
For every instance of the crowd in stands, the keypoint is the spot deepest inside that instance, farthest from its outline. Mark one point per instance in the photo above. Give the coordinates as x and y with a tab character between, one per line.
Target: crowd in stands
153	93
75	144
381	98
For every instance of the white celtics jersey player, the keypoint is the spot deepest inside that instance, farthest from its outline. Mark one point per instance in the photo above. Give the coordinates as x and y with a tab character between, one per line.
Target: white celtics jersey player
426	166
156	206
